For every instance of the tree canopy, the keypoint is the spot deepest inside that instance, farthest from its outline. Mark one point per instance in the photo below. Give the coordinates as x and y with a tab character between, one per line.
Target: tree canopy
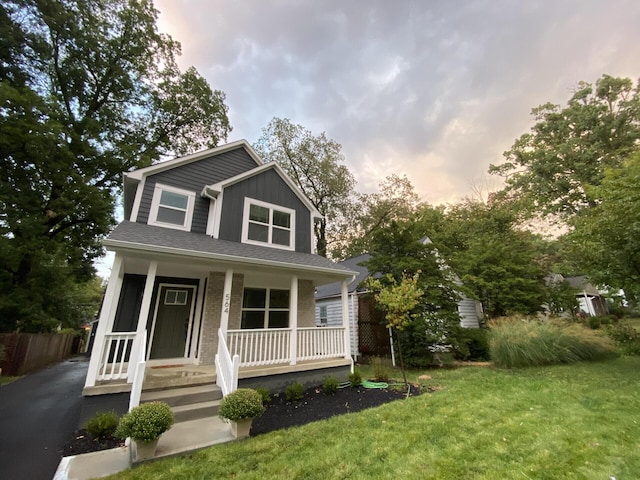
88	90
550	169
315	164
605	240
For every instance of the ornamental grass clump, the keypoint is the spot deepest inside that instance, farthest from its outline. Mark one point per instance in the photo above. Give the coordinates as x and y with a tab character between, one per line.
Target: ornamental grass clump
102	424
241	404
523	342
146	422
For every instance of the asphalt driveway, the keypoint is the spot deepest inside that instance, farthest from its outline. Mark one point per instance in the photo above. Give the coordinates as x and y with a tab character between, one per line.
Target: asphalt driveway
38	414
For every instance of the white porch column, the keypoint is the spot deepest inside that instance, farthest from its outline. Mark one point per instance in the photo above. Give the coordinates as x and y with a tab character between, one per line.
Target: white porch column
226	301
293	320
107	316
345	319
144	313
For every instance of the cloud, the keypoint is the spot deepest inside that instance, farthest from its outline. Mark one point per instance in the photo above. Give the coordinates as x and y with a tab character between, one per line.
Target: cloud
433	90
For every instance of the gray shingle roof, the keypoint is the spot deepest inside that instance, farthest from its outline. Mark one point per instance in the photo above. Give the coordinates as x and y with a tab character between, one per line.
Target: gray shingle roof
157	239
353	263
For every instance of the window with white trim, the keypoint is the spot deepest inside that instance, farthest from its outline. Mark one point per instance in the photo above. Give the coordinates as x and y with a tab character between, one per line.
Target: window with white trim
323	316
175	297
171	207
264	223
265	308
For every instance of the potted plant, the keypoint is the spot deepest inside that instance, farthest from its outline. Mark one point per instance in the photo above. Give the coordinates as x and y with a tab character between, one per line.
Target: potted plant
144	424
240	408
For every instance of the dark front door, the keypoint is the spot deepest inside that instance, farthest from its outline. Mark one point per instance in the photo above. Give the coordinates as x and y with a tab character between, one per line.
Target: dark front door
172	322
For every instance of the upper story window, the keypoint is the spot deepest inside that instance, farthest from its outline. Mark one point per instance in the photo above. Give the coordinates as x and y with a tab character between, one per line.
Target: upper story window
171	207
264	223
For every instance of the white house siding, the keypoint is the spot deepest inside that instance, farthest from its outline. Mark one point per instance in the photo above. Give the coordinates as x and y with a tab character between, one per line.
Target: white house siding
334	317
468	313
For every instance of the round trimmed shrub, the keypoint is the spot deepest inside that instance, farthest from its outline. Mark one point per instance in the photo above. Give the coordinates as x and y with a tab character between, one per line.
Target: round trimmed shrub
242	404
146	422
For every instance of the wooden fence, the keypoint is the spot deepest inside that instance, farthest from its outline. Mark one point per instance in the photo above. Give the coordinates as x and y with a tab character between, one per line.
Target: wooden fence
24	352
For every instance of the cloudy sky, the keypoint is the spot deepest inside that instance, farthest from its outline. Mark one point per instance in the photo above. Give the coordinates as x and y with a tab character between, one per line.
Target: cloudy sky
436	90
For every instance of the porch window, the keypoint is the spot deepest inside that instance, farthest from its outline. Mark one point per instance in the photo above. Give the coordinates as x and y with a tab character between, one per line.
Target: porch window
265	308
265	223
171	207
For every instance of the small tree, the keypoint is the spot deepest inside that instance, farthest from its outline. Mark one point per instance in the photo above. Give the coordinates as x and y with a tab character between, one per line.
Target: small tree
399	300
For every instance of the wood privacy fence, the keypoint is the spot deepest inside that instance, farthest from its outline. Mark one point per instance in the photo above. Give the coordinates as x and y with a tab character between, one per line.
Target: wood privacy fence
24	352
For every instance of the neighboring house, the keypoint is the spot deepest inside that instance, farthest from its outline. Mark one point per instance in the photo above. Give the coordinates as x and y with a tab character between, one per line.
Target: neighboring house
368	333
590	300
216	249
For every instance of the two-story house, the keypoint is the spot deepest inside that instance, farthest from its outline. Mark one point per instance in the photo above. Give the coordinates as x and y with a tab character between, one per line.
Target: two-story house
216	254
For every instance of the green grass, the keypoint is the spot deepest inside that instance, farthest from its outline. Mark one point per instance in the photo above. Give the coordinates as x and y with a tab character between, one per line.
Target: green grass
634	322
6	380
575	421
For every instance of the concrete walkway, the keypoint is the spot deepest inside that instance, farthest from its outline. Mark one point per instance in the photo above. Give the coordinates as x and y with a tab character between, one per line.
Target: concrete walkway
38	414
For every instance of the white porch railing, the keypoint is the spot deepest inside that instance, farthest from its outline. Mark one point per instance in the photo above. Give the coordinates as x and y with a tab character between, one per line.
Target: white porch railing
226	367
115	355
320	343
271	346
260	347
138	376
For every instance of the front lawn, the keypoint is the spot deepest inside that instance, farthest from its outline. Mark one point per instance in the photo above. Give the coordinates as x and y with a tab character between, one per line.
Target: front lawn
573	422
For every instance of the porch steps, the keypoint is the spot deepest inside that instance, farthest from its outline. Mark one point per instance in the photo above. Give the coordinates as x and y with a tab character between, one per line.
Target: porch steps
188	403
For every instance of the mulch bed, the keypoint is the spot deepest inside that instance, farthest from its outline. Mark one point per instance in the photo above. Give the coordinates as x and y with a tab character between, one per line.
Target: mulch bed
83	442
315	405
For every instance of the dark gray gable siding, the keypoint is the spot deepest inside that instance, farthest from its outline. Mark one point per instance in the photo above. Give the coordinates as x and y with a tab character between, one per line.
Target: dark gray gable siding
268	187
194	176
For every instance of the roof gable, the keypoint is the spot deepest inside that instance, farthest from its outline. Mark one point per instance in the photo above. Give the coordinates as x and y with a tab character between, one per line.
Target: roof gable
216	188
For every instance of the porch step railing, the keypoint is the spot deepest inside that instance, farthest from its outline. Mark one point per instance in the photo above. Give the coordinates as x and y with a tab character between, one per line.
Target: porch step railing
262	347
226	367
115	356
138	375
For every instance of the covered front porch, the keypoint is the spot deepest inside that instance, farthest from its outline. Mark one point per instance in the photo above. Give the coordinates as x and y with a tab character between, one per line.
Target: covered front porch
183	315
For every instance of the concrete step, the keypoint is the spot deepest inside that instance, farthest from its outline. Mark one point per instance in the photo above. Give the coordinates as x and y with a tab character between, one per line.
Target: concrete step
196	411
183	395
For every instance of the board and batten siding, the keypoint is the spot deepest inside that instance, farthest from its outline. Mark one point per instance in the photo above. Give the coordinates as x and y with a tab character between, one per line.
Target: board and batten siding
268	187
193	177
334	318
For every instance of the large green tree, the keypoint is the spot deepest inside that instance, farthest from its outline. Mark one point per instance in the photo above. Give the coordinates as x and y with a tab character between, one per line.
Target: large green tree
605	241
396	201
550	169
88	89
497	263
314	162
398	251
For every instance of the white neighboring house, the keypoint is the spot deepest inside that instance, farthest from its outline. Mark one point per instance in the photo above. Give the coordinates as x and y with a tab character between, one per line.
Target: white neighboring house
365	321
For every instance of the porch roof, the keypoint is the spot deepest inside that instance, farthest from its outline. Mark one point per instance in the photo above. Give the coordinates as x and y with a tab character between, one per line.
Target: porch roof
141	237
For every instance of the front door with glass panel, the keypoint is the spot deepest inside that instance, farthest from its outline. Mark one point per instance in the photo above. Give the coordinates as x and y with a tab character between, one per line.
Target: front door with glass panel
171	325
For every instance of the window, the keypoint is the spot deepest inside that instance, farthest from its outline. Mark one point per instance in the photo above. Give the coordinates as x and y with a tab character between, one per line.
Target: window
175	297
265	308
268	224
171	207
323	315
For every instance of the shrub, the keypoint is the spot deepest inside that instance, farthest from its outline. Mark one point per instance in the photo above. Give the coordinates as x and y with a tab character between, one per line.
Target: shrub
265	394
471	344
103	424
521	342
330	385
241	404
145	422
294	392
355	378
380	369
626	338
